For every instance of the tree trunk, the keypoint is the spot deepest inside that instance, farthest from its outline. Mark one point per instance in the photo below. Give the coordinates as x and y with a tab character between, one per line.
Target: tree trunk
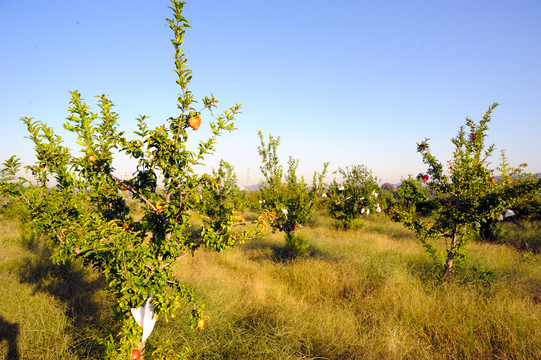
451	254
142	350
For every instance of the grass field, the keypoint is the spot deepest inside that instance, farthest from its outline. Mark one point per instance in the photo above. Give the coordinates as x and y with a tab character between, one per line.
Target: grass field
367	293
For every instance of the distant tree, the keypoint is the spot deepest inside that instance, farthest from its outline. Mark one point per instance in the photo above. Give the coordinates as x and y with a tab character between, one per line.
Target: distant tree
387	187
388	196
251	199
289	197
221	197
509	176
356	195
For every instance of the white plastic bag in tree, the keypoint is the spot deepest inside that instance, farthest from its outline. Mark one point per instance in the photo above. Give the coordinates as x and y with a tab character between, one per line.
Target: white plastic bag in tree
145	317
509	213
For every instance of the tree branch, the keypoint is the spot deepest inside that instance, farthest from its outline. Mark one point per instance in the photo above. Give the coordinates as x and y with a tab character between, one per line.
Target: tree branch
141	196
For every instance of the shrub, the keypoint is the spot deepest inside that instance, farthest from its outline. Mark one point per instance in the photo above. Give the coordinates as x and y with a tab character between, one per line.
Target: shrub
356	196
288	197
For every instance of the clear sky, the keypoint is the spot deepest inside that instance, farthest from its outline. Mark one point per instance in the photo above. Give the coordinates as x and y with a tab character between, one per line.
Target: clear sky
345	81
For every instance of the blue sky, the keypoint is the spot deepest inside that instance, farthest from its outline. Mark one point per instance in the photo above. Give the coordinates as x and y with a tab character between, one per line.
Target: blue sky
349	82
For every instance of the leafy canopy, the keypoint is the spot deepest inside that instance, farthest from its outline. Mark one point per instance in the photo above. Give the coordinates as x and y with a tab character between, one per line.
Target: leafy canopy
78	203
452	201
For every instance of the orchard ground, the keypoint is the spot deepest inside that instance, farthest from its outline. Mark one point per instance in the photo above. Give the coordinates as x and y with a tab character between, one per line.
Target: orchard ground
365	293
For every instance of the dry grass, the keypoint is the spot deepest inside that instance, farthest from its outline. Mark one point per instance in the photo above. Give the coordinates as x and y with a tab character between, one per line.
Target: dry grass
361	294
48	311
30	320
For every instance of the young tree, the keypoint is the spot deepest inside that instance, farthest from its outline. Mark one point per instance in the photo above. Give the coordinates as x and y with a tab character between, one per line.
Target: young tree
84	215
459	200
288	197
355	196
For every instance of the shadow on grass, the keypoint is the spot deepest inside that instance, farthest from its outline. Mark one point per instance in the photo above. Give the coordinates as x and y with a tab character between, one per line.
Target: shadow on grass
430	273
76	288
279	252
9	332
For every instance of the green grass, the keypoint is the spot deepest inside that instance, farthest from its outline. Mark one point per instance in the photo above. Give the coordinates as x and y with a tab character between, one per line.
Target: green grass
358	294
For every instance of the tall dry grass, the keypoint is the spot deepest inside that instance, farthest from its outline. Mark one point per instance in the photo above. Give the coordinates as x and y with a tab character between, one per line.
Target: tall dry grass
48	311
363	294
359	294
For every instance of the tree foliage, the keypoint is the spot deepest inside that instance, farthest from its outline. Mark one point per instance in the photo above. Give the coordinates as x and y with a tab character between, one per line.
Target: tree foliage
288	196
220	196
356	195
76	200
461	196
